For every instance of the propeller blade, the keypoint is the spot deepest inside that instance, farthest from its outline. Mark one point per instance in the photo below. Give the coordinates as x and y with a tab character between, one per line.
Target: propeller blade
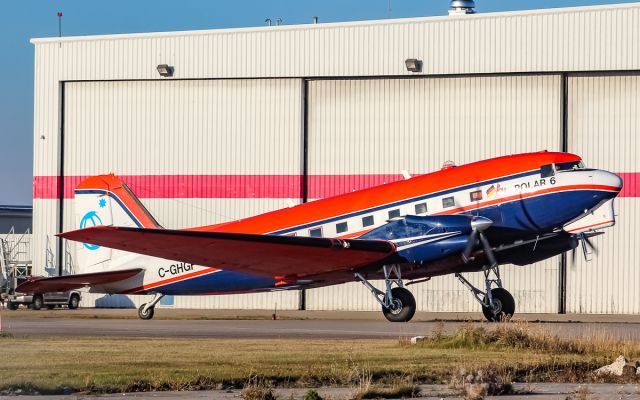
470	245
590	244
573	258
488	251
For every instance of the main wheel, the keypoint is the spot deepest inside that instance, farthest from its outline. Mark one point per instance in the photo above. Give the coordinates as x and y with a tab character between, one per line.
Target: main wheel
403	307
37	302
74	302
145	314
505	306
12	306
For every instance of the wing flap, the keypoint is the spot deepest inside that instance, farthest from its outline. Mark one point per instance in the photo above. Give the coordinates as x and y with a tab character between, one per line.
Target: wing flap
267	255
70	282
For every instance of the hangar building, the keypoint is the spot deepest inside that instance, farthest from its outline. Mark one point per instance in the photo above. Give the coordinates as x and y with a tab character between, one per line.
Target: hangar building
254	118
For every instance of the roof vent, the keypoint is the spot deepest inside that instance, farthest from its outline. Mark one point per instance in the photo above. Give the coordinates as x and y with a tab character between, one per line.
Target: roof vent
460	7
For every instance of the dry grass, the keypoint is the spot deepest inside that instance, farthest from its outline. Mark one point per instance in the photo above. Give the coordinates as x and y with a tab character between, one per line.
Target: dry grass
257	389
374	368
520	335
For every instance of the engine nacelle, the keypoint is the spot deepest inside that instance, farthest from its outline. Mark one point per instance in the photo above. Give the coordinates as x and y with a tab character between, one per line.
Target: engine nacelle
422	239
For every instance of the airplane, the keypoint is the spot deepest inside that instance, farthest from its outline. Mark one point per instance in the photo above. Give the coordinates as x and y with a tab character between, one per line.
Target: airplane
516	209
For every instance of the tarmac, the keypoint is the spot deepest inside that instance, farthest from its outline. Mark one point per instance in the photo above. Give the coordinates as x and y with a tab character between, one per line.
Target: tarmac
536	391
312	325
289	324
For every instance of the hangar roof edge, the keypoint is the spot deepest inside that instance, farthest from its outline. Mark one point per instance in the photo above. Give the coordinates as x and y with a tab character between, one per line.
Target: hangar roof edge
145	35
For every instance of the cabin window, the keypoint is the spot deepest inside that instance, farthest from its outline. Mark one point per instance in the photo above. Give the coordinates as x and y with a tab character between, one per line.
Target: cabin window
315	232
476	196
547	171
367	221
394	213
421	208
448	202
342	227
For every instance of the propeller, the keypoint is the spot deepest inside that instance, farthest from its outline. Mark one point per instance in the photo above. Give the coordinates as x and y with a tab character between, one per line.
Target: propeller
478	225
585	243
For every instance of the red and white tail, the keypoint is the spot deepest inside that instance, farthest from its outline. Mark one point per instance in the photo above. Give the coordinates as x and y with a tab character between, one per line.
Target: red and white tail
106	200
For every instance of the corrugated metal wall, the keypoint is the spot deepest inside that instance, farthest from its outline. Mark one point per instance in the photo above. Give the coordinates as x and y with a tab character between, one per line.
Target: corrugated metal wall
186	148
367	127
526	41
604	123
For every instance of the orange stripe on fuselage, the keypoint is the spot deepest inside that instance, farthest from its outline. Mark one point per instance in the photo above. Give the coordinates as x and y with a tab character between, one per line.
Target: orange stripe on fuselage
171	280
417	186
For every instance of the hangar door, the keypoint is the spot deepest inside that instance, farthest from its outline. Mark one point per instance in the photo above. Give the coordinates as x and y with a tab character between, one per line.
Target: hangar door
603	127
196	152
365	132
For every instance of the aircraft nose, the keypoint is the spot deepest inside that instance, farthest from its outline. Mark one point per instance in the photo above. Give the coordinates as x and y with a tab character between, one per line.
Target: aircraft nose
607	178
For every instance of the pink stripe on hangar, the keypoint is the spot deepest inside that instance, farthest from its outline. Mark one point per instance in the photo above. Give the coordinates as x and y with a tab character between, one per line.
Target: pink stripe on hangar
250	186
185	186
631	184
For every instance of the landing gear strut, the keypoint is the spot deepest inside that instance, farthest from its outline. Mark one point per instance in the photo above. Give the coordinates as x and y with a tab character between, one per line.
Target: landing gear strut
146	309
398	304
497	303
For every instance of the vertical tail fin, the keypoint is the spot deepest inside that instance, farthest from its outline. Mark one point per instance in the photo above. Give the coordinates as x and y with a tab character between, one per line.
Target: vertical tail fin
105	200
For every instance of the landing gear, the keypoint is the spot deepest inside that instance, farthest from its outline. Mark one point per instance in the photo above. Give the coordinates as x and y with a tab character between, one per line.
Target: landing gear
398	304
403	306
497	303
146	310
503	306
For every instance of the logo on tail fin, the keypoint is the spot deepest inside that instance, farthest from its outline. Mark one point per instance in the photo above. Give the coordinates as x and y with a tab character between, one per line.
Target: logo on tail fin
89	220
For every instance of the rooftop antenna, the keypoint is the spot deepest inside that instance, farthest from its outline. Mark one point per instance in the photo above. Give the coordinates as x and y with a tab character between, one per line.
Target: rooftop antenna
60	26
461	7
279	21
315	20
59	23
268	21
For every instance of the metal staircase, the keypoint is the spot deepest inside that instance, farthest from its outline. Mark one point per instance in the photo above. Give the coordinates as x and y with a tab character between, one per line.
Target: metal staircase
15	262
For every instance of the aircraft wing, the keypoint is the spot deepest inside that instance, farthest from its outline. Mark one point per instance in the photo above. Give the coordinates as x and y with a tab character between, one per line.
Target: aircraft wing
267	255
70	282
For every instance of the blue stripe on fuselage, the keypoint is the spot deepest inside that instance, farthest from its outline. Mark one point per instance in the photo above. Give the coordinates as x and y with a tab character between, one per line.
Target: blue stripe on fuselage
403	202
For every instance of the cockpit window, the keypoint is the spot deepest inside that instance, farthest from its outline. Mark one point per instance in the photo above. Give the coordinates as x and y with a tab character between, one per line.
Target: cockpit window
568	166
550	169
547	171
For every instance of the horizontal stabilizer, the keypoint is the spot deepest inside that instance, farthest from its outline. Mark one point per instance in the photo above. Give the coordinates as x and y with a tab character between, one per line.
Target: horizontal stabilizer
266	255
70	282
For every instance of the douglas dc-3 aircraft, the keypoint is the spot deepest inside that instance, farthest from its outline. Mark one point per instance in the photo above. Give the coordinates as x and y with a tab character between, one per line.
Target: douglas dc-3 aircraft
516	209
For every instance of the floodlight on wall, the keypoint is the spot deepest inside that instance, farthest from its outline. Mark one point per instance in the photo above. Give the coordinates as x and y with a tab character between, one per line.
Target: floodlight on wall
413	64
165	70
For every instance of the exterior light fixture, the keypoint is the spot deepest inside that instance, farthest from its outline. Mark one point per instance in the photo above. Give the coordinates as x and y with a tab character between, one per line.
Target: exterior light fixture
165	70
413	65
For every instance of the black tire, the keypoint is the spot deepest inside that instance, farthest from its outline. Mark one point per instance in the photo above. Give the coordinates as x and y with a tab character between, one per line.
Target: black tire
148	314
506	306
74	302
12	306
404	306
37	302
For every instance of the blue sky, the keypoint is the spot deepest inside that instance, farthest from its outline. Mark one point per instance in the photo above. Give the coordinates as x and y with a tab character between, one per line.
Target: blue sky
25	19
